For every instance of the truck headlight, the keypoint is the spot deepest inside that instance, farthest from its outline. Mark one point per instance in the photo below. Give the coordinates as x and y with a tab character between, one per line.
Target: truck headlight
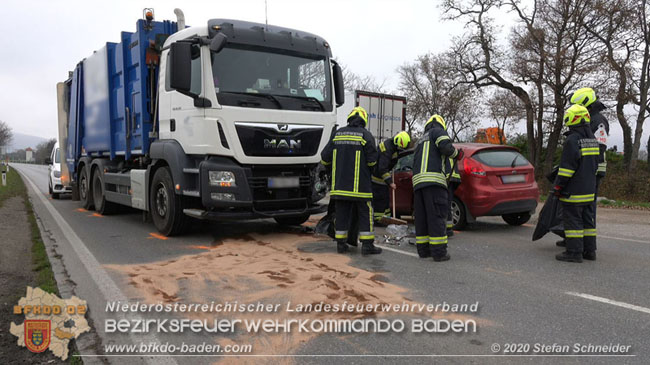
57	174
222	178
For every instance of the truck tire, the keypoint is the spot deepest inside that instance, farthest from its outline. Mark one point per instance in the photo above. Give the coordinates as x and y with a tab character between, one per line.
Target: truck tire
166	206
458	214
292	221
516	219
84	190
99	199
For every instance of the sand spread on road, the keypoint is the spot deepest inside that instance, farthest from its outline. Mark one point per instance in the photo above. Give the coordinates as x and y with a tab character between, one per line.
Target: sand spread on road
269	268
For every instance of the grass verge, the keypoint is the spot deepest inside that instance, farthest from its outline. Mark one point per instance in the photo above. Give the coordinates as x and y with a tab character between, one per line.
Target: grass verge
42	268
15	186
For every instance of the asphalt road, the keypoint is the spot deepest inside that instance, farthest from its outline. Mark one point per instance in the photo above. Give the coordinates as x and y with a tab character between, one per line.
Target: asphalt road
525	296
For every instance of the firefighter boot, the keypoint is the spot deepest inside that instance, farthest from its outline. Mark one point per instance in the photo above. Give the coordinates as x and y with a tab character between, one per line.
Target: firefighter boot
368	248
569	257
423	250
341	247
589	255
439	252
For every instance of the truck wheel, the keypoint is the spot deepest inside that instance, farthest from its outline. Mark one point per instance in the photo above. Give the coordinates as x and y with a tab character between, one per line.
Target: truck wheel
84	190
292	221
516	219
166	207
99	199
458	214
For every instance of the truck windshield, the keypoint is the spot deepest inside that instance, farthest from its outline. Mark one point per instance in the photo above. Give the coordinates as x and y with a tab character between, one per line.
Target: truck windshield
261	78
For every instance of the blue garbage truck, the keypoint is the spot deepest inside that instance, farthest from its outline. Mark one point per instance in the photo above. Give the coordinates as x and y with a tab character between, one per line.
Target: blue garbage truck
221	121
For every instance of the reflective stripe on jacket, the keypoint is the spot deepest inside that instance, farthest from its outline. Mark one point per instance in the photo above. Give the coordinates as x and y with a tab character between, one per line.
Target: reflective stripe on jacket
431	153
353	155
578	167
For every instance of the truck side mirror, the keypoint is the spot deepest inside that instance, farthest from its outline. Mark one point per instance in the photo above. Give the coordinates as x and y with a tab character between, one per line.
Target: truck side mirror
48	161
180	65
218	42
339	90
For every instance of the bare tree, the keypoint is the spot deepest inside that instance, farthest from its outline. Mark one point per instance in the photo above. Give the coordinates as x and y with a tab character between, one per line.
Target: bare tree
6	135
641	84
432	86
353	81
506	111
481	61
620	40
43	150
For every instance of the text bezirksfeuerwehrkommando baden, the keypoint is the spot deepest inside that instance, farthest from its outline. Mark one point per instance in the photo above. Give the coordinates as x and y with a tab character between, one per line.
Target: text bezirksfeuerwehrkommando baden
289	307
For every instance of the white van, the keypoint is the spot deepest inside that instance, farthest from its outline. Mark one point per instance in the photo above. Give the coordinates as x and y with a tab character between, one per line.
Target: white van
54	174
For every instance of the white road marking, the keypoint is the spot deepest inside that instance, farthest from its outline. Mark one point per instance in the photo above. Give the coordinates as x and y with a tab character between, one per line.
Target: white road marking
383	247
612	302
622	239
106	285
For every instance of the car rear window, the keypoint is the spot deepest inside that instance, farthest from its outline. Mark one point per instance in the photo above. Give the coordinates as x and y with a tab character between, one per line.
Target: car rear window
500	158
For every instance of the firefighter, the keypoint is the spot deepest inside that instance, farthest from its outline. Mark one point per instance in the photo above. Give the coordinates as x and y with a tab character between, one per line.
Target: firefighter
430	194
575	185
453	178
382	178
353	155
600	128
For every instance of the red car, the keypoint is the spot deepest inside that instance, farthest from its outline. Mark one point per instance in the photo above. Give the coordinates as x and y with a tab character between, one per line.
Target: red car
496	180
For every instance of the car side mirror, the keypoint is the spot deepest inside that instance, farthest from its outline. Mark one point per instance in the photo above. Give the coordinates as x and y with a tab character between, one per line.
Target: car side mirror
218	42
48	161
339	89
180	65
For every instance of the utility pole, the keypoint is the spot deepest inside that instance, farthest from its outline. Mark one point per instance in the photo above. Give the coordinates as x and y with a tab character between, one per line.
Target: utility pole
266	14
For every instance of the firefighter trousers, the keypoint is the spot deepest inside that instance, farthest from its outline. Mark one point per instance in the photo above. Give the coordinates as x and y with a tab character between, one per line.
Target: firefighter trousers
346	210
431	207
579	227
380	200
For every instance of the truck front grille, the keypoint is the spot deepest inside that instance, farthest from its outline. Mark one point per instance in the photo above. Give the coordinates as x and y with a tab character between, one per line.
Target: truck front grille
271	139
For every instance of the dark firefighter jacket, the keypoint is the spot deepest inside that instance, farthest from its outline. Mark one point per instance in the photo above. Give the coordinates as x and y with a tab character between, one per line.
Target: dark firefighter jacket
596	120
431	154
452	166
577	174
388	154
352	155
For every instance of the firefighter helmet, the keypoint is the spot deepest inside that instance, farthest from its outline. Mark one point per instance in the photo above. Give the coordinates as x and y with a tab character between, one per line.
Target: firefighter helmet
402	140
576	115
361	112
584	96
438	119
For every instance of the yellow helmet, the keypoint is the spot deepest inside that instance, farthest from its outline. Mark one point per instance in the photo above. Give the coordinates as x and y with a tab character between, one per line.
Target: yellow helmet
584	96
438	119
576	115
402	140
360	112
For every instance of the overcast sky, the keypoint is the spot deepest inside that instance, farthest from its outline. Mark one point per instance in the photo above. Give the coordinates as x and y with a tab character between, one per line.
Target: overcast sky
43	40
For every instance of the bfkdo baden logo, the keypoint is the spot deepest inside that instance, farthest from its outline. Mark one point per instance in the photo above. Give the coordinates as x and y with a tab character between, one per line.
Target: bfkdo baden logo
50	322
37	334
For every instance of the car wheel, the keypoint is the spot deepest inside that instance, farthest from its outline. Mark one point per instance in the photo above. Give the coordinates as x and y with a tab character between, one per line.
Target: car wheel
84	190
292	221
99	199
166	206
458	214
516	219
55	195
49	187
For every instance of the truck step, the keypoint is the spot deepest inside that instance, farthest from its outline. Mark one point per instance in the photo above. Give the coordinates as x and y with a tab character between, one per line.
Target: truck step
191	193
190	170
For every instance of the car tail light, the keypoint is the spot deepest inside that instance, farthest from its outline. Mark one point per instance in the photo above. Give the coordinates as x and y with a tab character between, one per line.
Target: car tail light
473	167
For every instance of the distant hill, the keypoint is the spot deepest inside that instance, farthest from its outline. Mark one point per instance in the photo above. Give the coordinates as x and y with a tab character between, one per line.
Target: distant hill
22	141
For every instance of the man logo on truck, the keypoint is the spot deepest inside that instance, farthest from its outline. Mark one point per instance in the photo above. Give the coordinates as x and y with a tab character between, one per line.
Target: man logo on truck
282	143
